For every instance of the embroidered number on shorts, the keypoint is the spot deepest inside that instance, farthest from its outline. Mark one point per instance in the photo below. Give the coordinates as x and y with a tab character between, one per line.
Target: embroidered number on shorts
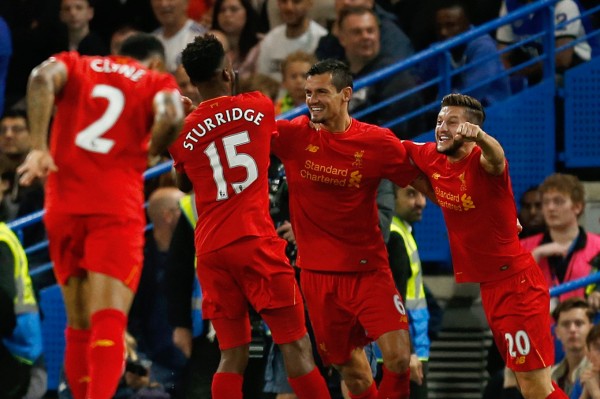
234	159
90	138
520	341
399	305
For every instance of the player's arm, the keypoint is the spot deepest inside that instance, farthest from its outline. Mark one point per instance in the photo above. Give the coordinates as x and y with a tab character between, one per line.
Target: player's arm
168	120
45	82
492	153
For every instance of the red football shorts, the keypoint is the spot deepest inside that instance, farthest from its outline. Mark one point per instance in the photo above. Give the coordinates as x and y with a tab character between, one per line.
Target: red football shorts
518	312
107	244
349	310
251	270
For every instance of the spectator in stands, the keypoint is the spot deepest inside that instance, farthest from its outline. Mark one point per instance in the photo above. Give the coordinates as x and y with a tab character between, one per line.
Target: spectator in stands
564	251
76	16
15	145
176	28
452	18
119	36
530	212
408	275
259	82
293	72
359	35
95	226
238	20
298	32
5	54
574	318
565	10
149	310
322	12
588	385
185	85
193	336
20	326
394	42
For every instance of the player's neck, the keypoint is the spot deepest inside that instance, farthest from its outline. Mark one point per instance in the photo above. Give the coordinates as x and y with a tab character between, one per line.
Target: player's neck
338	125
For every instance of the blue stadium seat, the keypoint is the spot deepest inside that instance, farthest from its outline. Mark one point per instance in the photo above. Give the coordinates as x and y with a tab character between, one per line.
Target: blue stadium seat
53	332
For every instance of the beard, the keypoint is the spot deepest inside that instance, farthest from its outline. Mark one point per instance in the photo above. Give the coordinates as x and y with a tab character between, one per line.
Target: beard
450	150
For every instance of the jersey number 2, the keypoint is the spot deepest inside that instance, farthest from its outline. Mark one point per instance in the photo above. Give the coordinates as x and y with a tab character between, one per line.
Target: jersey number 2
90	138
234	159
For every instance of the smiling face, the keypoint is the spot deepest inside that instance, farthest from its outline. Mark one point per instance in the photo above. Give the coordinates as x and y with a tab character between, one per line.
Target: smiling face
448	121
359	36
294	12
326	104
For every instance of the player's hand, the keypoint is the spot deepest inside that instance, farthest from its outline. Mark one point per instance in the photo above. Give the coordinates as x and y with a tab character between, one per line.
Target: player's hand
285	231
416	369
188	105
37	165
182	339
469	132
519	226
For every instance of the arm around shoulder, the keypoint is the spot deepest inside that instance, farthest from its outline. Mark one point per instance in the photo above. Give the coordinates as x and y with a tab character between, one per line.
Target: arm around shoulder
168	120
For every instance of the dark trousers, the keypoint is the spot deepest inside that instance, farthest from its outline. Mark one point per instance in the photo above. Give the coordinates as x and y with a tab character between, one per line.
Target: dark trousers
14	375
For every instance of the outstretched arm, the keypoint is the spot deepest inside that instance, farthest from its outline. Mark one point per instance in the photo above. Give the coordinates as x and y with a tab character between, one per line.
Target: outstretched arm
422	184
492	153
45	81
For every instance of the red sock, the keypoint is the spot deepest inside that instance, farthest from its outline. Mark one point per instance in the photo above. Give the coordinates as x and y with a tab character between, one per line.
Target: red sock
227	386
558	393
394	385
370	393
107	353
310	386
76	361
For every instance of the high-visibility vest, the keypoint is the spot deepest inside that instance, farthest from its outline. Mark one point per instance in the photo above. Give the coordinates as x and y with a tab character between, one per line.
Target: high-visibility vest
415	302
188	207
25	342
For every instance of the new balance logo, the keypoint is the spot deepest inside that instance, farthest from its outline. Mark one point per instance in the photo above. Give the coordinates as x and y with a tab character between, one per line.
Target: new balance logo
312	148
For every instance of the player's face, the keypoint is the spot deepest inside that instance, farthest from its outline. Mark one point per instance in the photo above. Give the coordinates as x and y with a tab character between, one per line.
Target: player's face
409	204
559	209
448	121
324	102
572	328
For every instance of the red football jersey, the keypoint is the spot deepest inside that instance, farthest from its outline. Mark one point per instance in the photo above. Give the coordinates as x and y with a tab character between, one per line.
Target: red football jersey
100	134
224	150
480	214
333	180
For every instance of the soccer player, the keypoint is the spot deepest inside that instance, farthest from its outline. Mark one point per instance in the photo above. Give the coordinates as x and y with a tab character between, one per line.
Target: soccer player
469	174
334	165
223	153
111	112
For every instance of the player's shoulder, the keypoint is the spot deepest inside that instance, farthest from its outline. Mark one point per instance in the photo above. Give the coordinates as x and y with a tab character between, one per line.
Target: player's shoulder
298	122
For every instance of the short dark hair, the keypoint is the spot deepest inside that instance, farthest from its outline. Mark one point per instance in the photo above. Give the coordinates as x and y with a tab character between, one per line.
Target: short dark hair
142	46
15	113
203	57
474	109
573	303
341	77
355	10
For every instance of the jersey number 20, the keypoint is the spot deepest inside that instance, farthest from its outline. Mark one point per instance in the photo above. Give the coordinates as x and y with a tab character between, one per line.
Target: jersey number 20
234	159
